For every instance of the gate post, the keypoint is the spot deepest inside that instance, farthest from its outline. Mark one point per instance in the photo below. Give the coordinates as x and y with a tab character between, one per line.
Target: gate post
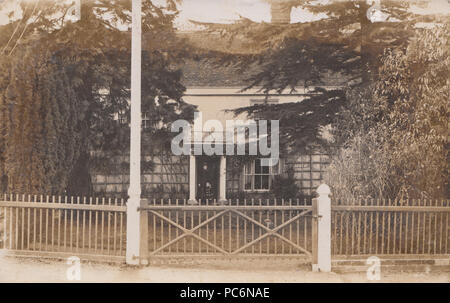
322	230
137	233
133	232
143	213
315	240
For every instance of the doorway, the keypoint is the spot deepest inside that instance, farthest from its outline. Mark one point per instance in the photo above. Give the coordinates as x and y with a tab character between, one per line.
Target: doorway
207	172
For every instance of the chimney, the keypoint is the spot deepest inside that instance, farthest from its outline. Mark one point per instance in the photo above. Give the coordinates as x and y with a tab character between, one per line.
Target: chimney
281	11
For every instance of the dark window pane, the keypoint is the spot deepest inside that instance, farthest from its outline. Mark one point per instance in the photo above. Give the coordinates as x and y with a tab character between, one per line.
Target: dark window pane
257	166
265	182
258	182
247	168
248	182
265	169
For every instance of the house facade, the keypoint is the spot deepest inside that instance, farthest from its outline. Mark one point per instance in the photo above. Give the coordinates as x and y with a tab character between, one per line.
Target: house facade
221	177
216	91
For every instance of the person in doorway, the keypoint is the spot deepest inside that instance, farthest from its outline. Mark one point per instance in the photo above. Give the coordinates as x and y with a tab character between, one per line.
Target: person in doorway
205	187
209	194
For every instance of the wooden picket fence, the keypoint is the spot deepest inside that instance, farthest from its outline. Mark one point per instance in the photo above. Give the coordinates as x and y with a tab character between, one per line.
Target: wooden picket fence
93	226
385	227
97	227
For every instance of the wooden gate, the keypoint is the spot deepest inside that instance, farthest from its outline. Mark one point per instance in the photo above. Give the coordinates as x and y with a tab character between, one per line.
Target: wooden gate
246	228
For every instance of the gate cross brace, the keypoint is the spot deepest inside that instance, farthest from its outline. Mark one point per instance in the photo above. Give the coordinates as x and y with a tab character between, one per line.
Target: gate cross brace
189	232
269	232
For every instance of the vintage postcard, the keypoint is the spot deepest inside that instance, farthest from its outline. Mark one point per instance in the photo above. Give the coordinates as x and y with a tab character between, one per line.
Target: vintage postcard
222	141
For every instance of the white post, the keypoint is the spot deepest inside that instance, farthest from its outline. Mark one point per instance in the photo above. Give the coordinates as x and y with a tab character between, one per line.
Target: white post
324	228
223	179
134	192
192	180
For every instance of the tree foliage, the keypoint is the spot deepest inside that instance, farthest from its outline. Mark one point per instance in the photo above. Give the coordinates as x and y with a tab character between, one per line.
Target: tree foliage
299	126
393	104
38	126
344	44
394	134
343	41
85	64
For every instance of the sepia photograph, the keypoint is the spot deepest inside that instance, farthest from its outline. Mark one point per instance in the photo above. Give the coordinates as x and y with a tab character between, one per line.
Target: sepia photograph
237	143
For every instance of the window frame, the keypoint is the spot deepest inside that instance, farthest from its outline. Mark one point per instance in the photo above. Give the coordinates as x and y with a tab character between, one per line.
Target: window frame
122	117
271	174
146	122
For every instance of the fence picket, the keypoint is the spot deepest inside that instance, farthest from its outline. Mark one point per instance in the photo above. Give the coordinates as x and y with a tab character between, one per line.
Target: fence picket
28	224
34	225
115	228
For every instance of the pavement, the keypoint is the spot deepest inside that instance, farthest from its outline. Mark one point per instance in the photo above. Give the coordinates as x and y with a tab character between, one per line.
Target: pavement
18	269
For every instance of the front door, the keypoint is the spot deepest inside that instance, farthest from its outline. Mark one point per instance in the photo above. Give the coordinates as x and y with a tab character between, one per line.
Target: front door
207	177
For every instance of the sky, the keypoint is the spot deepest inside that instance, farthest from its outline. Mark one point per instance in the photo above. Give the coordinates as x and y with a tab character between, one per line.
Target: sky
227	11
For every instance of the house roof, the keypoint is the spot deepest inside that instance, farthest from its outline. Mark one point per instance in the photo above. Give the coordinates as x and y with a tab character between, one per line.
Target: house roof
206	73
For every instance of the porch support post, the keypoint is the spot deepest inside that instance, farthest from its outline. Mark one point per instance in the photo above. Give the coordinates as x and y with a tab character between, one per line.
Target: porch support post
322	256
192	180
223	179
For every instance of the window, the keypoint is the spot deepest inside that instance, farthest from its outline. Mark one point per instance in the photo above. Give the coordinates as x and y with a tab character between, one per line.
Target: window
145	121
310	171
258	177
122	117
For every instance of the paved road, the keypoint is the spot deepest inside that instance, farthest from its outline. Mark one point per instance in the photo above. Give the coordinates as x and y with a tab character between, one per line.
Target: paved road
38	270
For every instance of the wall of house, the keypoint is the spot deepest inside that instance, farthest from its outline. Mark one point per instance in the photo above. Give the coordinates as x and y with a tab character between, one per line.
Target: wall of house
167	176
308	170
213	102
308	173
164	176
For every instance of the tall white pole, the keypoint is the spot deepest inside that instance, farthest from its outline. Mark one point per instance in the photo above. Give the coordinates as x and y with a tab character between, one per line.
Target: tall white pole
134	192
324	228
